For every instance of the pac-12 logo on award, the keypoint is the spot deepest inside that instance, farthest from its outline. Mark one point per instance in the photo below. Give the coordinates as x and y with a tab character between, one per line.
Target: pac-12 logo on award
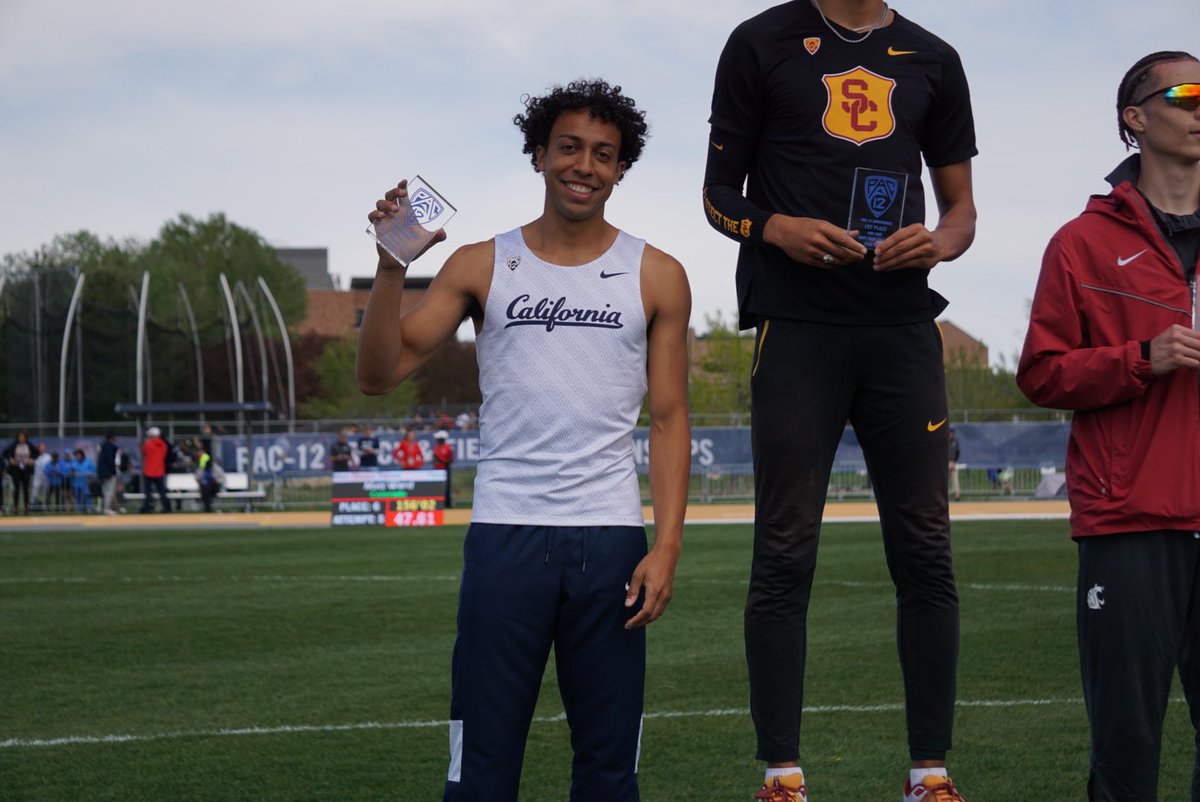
859	108
881	193
425	207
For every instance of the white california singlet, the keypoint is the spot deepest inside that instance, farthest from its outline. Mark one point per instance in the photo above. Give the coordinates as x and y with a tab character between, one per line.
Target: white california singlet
562	369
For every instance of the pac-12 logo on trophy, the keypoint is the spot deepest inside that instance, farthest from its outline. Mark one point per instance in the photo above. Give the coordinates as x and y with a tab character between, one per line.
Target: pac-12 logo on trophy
881	192
423	206
876	204
405	236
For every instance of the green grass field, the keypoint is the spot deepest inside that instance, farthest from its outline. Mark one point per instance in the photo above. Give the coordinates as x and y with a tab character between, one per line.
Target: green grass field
314	665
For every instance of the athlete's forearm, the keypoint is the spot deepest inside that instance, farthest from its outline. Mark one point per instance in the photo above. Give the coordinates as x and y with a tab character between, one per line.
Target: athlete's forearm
725	206
955	232
670	466
953	189
379	345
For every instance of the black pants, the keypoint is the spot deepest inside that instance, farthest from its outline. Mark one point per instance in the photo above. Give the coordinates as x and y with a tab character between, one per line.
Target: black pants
1138	617
808	379
208	492
21	478
149	485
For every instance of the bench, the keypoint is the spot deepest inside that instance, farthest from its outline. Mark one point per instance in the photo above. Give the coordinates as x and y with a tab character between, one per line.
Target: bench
185	487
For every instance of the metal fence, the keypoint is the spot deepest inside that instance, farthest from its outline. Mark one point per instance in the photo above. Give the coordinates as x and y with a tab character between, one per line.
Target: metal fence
721	484
267	425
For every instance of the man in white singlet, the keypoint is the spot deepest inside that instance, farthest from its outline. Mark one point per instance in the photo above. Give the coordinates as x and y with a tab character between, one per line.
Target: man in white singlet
576	321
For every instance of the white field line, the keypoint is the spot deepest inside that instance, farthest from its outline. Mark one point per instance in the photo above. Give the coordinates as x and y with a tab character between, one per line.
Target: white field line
81	580
1009	587
1004	587
834	518
289	729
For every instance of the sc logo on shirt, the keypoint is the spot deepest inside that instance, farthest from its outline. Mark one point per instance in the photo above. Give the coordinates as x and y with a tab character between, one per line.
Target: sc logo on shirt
859	107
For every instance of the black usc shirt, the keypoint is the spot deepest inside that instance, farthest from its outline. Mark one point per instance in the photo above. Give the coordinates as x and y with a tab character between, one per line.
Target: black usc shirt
814	108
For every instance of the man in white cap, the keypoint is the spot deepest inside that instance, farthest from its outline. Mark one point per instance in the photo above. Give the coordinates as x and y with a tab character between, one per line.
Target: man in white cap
154	469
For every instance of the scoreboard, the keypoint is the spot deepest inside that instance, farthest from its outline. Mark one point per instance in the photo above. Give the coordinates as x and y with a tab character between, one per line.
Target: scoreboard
388	498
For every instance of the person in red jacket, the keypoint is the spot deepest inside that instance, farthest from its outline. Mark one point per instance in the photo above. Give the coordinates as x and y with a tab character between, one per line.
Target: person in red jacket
443	458
408	453
154	469
1113	337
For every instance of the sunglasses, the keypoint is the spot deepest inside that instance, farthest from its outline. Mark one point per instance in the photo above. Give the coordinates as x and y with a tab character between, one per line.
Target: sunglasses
1185	96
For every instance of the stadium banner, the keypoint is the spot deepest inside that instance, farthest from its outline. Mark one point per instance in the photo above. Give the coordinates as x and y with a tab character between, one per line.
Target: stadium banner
715	450
388	498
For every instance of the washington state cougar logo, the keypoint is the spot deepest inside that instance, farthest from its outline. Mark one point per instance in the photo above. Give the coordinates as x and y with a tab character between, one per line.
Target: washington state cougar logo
1095	597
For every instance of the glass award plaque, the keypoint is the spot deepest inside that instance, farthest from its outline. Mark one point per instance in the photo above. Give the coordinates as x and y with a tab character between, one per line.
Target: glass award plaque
876	204
406	234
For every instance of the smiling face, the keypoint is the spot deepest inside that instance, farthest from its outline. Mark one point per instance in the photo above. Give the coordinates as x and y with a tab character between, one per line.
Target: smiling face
1164	130
580	164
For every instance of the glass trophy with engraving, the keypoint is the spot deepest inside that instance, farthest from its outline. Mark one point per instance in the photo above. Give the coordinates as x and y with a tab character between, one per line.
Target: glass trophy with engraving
406	234
876	204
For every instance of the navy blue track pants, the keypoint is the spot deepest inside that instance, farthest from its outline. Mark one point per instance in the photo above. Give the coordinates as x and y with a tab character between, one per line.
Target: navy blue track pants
525	589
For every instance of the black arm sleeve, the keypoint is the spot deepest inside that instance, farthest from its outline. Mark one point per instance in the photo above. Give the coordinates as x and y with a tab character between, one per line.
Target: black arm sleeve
725	205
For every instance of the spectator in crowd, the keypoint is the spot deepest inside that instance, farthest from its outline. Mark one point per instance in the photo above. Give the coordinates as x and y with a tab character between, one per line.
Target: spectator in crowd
443	458
154	470
1112	337
19	459
368	449
124	477
340	453
1005	477
955	453
57	475
209	476
208	439
408	453
83	473
106	471
41	482
463	421
443	420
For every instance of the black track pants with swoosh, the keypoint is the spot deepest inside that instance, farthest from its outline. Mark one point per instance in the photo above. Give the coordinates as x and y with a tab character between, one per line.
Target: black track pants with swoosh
808	380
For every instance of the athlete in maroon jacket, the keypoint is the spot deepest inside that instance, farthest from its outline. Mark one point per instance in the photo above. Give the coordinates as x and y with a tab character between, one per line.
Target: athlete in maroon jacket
1112	337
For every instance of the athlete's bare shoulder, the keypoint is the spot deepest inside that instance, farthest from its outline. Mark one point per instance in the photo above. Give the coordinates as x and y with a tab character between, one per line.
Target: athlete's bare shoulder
469	270
664	282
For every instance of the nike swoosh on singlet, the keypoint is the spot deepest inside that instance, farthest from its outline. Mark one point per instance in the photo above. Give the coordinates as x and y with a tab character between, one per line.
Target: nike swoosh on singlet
715	145
891	51
610	275
933	427
1122	262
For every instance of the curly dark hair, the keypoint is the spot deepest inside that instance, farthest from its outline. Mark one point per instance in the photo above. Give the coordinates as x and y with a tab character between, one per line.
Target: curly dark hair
605	103
1132	85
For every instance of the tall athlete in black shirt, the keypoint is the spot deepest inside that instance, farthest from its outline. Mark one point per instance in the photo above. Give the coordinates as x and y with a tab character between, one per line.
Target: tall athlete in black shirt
805	95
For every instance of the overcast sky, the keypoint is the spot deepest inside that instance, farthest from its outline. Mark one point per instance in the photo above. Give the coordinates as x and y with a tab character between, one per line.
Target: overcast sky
292	117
